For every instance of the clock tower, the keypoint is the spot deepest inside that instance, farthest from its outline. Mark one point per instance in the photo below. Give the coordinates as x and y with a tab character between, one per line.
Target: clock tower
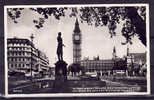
76	37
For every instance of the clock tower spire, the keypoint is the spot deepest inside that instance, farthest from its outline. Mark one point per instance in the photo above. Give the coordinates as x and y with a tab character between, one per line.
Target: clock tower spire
77	29
76	37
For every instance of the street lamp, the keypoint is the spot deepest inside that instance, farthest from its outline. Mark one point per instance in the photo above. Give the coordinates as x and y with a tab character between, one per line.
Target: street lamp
31	37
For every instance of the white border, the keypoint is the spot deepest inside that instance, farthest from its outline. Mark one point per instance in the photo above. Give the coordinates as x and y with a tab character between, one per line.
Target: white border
79	94
148	47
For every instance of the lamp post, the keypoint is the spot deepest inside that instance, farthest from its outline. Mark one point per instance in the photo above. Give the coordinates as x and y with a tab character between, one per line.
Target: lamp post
31	37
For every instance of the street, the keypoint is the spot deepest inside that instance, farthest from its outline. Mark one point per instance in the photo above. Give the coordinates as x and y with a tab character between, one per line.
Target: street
72	85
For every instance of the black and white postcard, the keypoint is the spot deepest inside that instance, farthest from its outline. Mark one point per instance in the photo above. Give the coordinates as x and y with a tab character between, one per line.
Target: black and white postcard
77	50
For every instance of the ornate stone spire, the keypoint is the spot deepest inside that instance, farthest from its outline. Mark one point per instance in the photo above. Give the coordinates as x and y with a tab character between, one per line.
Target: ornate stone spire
77	29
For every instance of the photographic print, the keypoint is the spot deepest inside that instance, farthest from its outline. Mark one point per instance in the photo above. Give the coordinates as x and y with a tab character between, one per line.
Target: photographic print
77	50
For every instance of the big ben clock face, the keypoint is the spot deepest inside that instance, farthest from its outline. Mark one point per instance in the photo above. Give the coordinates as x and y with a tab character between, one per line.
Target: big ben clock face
77	37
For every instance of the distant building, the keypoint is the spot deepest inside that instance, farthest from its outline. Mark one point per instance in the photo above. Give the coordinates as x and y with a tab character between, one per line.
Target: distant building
136	62
22	56
139	57
106	66
43	64
103	67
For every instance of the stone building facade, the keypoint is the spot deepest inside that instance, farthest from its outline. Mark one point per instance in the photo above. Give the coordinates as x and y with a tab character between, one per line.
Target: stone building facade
23	56
103	67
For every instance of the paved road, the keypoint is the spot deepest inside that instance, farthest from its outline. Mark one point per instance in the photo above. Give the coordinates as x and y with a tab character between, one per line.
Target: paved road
47	85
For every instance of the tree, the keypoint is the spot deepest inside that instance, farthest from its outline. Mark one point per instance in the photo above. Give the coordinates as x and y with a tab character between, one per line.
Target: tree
14	14
75	68
134	18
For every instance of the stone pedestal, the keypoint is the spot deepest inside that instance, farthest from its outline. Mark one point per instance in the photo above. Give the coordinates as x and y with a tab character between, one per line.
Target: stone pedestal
60	76
61	70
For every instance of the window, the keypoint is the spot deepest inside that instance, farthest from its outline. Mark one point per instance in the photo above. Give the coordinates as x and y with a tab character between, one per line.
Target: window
19	65
9	48
12	65
23	65
15	65
23	53
9	44
12	59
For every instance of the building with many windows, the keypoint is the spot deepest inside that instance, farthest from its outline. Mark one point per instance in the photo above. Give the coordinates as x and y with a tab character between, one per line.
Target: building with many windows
22	56
104	67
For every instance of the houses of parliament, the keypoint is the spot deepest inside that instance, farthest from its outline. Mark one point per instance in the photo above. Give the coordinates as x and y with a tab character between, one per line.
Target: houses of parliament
112	66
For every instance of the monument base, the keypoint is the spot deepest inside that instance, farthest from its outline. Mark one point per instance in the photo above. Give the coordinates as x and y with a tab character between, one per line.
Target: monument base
60	75
60	70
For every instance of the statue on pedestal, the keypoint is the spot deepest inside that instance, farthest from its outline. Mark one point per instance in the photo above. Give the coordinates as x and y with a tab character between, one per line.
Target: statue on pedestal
60	69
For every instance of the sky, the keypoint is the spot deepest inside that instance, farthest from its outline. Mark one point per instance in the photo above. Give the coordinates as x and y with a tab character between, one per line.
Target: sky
96	41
